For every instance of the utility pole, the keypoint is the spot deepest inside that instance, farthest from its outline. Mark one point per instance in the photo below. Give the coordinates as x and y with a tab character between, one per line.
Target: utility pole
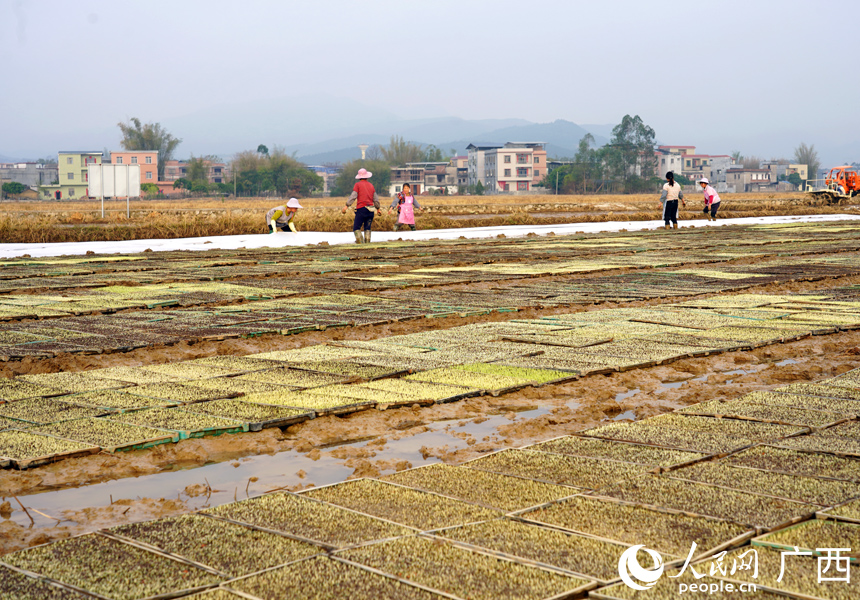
556	181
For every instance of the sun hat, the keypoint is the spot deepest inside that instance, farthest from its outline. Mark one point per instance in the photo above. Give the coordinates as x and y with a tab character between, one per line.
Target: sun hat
363	174
293	203
704	180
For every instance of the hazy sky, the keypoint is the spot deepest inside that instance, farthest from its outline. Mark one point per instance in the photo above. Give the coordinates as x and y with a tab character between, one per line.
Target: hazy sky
753	75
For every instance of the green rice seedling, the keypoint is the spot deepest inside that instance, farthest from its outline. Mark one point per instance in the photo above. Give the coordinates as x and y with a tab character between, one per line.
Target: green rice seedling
325	578
583	473
17	586
117	401
216	594
627	524
594	558
791	462
347	368
46	410
231	549
452	376
849	429
185	370
73	382
236	364
137	375
741	507
356	392
488	489
247	411
177	392
409	507
310	353
467	574
231	385
811	535
643	432
539	376
17	389
825	389
418	390
187	423
105	433
780	397
761	431
760	412
820	442
309	519
110	568
606	449
799	576
849	510
794	487
293	378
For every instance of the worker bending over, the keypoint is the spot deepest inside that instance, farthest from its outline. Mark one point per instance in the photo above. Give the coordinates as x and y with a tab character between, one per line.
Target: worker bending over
281	217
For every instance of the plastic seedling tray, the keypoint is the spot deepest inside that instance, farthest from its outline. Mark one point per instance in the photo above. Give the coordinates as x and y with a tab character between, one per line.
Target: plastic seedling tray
23	461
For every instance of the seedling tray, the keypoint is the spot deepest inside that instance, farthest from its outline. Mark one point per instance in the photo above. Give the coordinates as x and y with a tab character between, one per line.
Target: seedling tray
28	462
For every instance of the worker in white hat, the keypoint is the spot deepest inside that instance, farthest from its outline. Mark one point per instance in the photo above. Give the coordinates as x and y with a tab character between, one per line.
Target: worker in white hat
281	217
712	199
366	204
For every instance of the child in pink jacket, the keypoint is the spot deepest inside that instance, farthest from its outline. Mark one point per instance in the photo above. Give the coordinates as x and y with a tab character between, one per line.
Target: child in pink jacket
406	205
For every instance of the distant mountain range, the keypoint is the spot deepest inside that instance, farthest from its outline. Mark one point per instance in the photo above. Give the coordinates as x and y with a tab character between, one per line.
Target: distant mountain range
561	137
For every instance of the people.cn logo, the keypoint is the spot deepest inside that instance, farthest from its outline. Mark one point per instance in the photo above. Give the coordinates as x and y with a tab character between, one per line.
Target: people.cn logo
629	565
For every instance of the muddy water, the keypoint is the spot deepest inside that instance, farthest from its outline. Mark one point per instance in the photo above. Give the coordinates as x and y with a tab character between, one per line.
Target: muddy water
89	493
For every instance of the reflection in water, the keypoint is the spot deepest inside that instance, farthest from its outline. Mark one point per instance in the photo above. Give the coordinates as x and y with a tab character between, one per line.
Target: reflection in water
232	479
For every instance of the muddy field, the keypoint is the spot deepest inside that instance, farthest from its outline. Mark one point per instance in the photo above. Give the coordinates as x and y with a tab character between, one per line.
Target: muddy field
643	325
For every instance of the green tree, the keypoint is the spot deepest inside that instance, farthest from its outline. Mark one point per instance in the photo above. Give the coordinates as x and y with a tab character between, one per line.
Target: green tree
479	189
262	149
381	179
434	154
795	179
737	157
151	136
182	184
150	189
197	169
14	188
400	152
275	172
808	155
631	149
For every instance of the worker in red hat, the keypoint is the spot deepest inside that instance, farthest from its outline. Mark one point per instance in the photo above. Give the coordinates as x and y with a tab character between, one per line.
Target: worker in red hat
366	204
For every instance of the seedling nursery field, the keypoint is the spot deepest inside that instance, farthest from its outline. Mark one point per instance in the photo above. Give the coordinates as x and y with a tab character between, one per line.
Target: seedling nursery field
472	419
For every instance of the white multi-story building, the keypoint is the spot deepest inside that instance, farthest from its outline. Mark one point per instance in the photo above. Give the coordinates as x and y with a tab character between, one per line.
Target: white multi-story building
476	168
514	167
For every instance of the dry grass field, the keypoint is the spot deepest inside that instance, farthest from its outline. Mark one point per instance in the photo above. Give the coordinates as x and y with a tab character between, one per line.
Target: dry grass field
35	221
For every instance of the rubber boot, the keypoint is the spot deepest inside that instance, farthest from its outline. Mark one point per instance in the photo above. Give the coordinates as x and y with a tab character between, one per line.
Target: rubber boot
675	225
358	238
667	226
367	237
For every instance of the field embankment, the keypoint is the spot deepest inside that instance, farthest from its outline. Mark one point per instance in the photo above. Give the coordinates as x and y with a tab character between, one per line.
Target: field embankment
78	221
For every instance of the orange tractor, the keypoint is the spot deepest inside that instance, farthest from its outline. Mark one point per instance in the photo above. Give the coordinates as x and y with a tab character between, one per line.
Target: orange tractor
842	183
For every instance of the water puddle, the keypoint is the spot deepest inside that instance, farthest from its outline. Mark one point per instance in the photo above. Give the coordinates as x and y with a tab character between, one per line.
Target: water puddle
232	479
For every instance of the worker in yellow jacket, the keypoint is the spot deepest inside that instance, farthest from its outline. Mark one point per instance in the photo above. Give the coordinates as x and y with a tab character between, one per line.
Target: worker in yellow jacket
281	217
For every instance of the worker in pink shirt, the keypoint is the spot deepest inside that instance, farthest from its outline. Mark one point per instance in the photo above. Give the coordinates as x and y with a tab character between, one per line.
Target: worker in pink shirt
712	199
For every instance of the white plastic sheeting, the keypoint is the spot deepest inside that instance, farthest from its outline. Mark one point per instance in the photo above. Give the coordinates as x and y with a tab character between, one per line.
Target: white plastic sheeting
305	238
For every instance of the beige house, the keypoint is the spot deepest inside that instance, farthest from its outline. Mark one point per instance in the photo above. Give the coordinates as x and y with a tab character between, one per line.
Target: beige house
515	167
748	180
